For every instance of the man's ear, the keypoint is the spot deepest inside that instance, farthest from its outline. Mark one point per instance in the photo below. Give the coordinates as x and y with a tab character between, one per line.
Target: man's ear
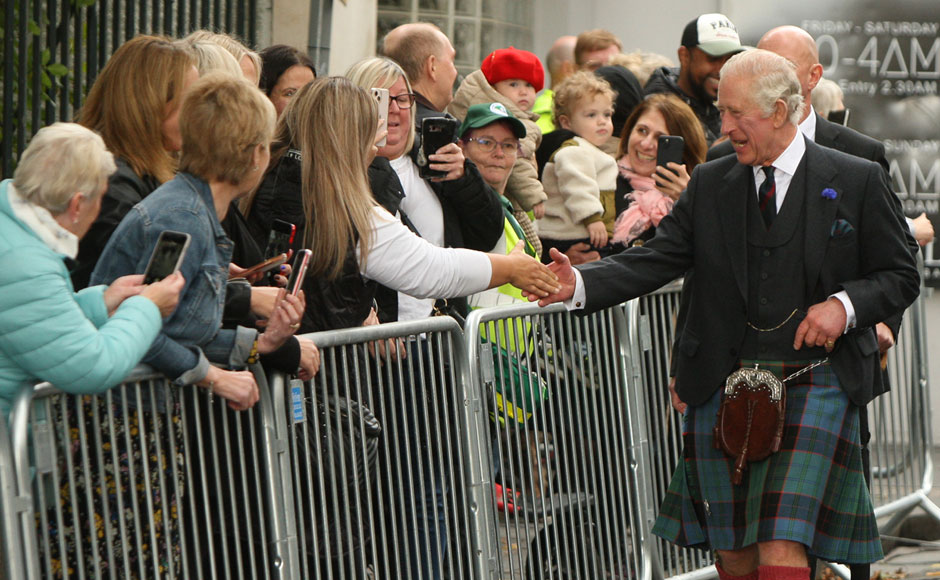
430	67
568	68
780	113
685	57
815	74
564	121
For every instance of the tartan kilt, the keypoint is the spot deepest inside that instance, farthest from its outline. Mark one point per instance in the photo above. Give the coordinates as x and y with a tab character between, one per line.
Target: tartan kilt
812	491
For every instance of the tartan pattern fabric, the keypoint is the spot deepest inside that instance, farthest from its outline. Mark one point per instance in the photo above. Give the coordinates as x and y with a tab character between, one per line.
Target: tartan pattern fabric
812	491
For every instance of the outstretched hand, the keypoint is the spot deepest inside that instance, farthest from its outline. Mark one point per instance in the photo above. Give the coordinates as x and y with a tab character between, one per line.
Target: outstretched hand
530	275
562	269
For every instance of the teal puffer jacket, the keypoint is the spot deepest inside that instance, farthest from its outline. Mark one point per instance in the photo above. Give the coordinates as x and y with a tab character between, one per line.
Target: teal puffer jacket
50	333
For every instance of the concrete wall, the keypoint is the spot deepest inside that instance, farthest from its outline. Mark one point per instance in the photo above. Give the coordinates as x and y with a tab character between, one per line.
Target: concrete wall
291	23
353	33
650	26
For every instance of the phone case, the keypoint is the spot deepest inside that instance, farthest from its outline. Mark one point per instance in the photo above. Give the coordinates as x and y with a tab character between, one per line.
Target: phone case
167	255
669	148
435	133
299	271
382	98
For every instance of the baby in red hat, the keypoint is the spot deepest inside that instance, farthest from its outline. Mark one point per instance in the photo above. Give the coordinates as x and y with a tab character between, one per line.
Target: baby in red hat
512	77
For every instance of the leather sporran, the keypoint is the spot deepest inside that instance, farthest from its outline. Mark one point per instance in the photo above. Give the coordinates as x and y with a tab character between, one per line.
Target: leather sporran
750	421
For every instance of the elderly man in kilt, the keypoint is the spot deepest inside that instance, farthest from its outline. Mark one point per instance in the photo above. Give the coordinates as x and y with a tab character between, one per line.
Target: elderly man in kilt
798	252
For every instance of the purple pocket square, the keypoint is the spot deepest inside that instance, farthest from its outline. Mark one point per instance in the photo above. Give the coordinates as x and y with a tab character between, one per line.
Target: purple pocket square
840	228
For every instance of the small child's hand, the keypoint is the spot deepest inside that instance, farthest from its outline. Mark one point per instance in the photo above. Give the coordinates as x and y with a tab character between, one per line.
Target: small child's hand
598	234
538	210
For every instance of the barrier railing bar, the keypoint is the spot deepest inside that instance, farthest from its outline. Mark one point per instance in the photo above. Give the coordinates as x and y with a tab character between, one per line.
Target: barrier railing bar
10	504
639	443
367	551
243	480
279	450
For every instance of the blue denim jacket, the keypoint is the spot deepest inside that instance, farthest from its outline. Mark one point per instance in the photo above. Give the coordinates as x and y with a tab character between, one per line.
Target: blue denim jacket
193	335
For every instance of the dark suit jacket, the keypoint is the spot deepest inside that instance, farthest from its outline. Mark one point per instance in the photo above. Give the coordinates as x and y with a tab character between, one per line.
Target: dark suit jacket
841	138
706	230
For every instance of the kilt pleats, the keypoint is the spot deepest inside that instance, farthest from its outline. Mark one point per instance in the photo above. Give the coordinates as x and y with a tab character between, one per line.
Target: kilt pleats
812	491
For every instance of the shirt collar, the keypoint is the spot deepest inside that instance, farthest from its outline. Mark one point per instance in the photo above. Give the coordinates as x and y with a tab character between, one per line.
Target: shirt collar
808	126
791	156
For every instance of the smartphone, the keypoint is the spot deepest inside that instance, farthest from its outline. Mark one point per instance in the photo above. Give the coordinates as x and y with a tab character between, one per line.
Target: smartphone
167	255
265	265
435	133
381	97
839	117
669	148
280	239
298	271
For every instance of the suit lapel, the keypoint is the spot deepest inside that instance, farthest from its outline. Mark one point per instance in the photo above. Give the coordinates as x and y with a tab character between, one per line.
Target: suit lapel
820	210
732	207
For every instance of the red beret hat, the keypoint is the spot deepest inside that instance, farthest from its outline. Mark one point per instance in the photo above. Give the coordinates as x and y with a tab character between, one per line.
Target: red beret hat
512	63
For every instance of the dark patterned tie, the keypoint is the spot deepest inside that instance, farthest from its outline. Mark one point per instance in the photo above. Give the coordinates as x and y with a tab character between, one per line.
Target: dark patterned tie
768	198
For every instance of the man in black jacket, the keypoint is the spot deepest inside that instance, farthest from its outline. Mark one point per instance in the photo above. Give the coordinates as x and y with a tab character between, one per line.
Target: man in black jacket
797	46
798	252
707	42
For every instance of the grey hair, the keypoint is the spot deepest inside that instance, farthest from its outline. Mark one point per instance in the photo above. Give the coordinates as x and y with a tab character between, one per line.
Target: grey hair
212	57
61	160
772	77
826	96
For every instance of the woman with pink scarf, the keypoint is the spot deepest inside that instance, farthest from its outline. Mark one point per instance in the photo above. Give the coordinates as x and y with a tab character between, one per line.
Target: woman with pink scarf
645	191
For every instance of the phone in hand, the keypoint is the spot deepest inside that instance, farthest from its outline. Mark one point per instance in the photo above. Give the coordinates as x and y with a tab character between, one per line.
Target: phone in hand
381	97
669	148
280	238
167	255
435	133
299	271
264	265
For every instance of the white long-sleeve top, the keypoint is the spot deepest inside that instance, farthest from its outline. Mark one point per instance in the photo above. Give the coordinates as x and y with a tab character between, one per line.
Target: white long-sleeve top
405	262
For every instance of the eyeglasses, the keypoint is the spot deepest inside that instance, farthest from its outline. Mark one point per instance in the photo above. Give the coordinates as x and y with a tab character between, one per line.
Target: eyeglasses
488	145
404	100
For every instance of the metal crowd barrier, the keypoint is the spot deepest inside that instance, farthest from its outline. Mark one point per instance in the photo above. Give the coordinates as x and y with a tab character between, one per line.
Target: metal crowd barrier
902	469
381	469
538	443
146	480
15	508
654	319
566	461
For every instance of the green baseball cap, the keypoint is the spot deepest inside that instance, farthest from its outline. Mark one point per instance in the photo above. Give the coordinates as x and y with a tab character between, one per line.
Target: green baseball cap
482	115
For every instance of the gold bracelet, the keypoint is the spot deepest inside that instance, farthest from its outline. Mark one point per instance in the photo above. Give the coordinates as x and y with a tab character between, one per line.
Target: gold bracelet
253	355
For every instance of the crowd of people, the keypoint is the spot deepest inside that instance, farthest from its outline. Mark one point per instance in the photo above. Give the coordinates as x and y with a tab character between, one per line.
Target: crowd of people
206	137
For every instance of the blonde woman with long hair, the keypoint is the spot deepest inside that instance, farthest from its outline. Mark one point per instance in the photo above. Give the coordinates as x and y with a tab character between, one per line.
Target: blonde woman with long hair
334	130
